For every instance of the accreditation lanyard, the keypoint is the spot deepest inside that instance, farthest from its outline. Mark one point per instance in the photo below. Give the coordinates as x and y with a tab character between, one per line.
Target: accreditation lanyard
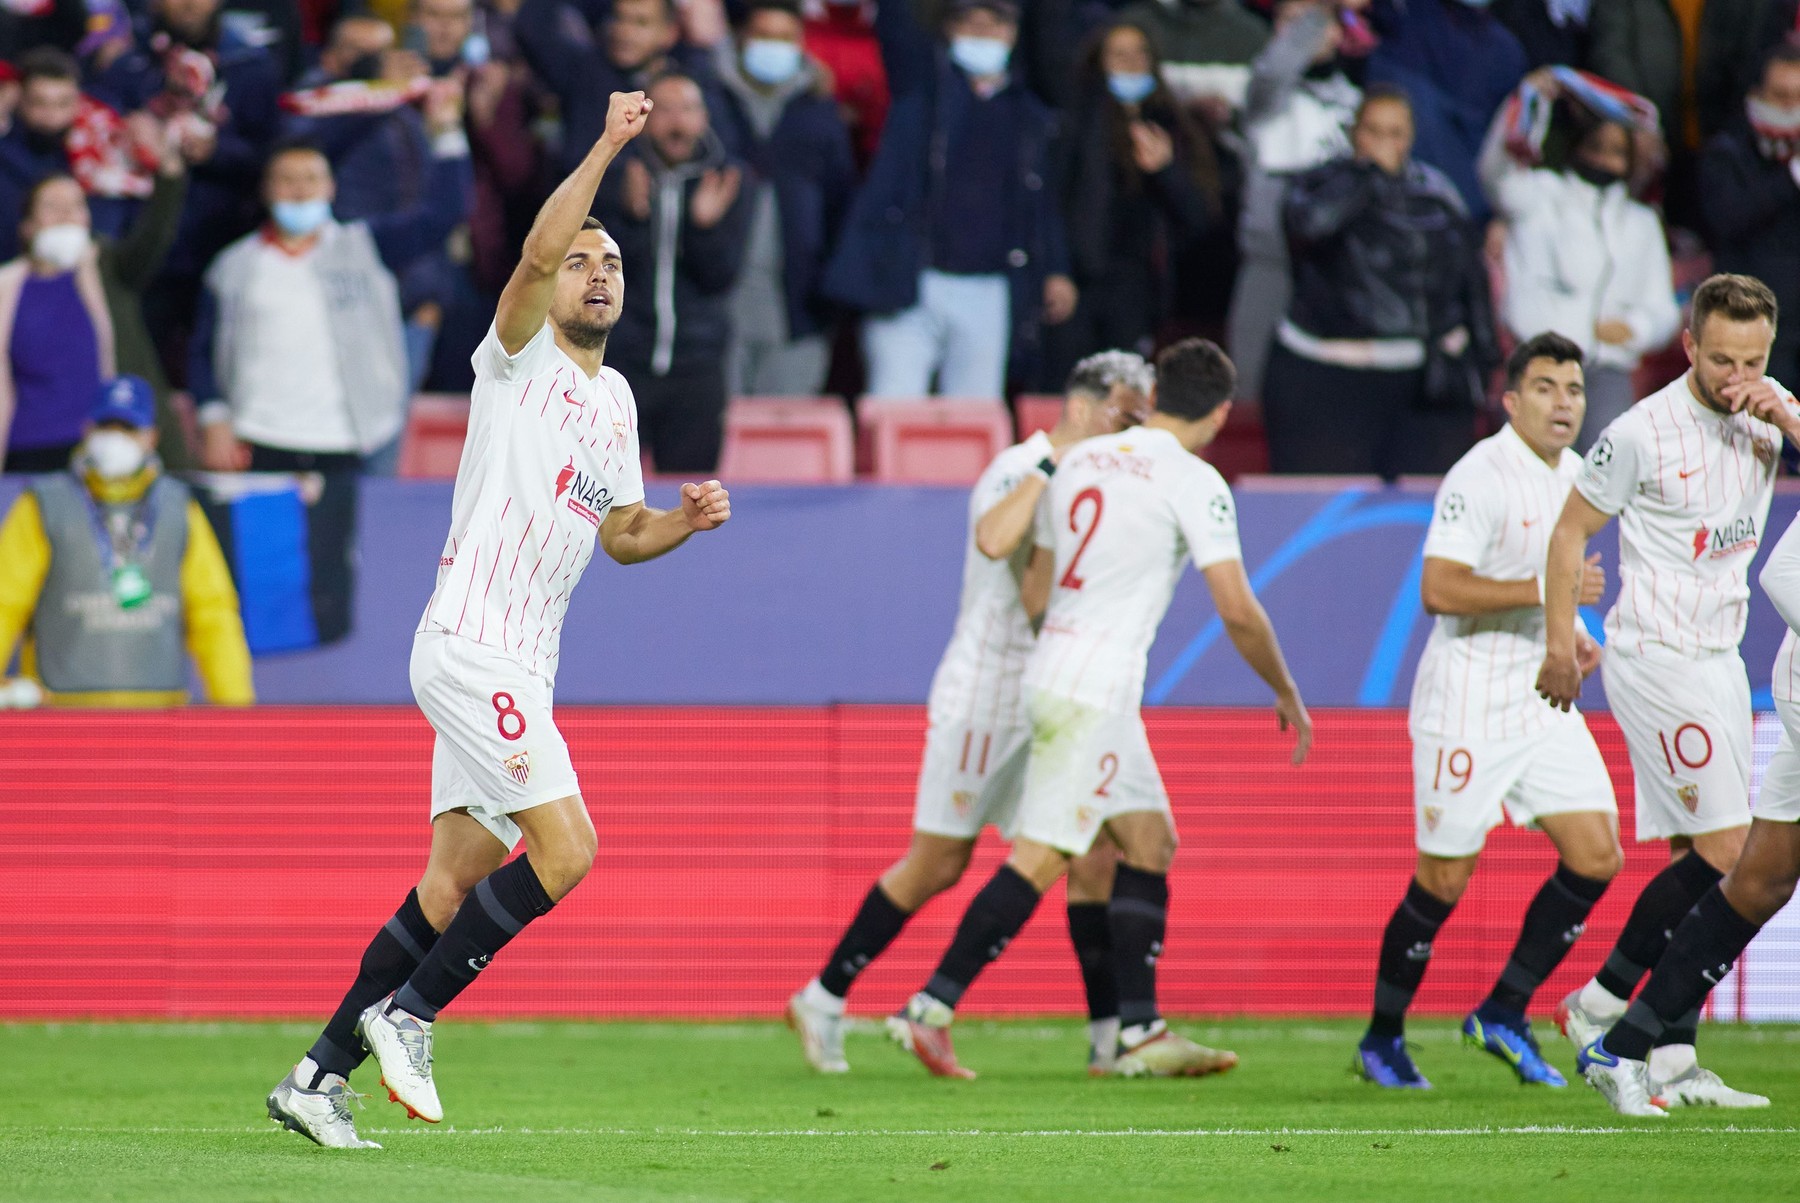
122	557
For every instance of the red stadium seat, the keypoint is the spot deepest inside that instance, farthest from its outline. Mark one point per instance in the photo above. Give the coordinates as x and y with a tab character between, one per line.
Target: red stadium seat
787	440
935	440
435	428
1035	413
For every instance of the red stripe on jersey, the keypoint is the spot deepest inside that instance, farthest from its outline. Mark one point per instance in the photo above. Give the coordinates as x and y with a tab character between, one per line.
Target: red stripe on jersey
550	392
520	549
474	566
1662	482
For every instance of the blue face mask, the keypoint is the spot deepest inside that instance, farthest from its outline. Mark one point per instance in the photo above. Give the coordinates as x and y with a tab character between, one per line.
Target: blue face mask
980	56
300	218
1130	87
768	61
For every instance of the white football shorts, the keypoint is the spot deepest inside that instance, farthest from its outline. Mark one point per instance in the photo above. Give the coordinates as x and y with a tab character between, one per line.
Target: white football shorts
498	750
1463	789
1086	766
970	777
1688	725
1779	800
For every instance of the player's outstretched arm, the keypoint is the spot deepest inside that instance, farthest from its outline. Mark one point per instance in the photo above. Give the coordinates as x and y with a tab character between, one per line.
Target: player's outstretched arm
525	301
1251	632
1559	680
632	534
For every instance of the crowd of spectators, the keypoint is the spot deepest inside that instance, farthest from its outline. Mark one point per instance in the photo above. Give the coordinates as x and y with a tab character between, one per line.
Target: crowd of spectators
299	212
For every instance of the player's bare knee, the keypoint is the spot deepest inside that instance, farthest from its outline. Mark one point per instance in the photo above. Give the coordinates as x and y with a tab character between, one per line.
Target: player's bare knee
1445	878
440	897
1599	863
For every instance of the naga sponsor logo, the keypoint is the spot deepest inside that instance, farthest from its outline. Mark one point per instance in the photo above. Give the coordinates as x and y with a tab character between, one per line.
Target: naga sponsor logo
587	496
1715	543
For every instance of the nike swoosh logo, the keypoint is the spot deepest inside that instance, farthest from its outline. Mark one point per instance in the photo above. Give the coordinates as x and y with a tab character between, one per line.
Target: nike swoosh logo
1708	975
1688	473
1530	522
482	965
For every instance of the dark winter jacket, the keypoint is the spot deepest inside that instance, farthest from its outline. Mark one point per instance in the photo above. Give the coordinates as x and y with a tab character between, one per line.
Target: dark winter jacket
1637	45
886	237
1752	210
678	276
22	165
1377	256
807	157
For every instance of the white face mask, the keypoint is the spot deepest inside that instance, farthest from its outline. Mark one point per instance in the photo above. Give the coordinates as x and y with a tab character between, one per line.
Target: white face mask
115	454
60	246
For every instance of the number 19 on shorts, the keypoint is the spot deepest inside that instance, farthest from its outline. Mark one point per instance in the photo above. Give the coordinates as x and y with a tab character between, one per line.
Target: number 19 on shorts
1455	769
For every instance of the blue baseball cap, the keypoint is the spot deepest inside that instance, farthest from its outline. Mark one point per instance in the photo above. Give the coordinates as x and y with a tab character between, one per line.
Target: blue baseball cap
126	400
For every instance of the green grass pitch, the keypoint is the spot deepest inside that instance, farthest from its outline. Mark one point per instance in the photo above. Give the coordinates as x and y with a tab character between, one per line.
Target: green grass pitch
625	1112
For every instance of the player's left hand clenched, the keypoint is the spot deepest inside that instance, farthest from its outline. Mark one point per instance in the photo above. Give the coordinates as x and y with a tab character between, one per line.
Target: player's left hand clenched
1760	399
706	507
1290	711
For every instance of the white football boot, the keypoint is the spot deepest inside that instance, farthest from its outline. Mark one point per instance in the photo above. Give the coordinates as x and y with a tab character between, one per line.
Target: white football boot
322	1115
1103	1047
1580	1023
820	1028
1699	1087
401	1046
1622	1082
1153	1051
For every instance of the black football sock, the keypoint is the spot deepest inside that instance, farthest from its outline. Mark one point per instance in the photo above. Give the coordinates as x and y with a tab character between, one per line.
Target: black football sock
1553	922
1091	935
496	910
1669	895
1703	950
1405	951
1139	917
876	924
994	917
387	962
1685	1030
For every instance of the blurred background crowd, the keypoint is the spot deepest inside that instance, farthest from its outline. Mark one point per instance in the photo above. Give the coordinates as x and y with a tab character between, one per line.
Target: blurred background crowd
287	219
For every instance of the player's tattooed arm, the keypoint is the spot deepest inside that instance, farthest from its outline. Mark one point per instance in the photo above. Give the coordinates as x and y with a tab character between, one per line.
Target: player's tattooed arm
1559	680
632	534
525	301
1253	635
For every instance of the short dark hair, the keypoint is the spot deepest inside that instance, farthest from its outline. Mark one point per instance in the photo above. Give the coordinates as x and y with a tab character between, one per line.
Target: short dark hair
594	223
292	146
48	62
1736	298
1193	378
1384	93
790	7
1548	345
1785	53
37	190
670	12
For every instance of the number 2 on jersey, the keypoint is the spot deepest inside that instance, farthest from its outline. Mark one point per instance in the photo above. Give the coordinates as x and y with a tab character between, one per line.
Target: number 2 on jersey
505	709
1070	580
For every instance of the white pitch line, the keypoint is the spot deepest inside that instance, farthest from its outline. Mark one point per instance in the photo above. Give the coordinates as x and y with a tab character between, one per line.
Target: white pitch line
949	1133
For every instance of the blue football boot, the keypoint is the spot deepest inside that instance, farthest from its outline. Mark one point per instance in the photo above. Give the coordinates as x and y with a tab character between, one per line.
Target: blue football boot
1507	1035
1386	1063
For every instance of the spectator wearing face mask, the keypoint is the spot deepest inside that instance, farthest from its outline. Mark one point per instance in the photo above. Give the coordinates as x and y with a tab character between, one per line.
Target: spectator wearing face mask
798	186
678	206
113	576
298	361
1750	197
1297	115
49	109
71	315
1207	48
955	247
1583	258
1141	185
638	41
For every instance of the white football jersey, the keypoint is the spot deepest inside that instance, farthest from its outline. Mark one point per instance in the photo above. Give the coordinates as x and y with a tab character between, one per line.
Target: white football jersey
1494	512
1781	582
1124	513
977	681
549	453
1691	488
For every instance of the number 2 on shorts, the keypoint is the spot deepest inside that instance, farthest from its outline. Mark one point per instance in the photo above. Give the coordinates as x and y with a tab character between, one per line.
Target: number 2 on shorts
504	710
